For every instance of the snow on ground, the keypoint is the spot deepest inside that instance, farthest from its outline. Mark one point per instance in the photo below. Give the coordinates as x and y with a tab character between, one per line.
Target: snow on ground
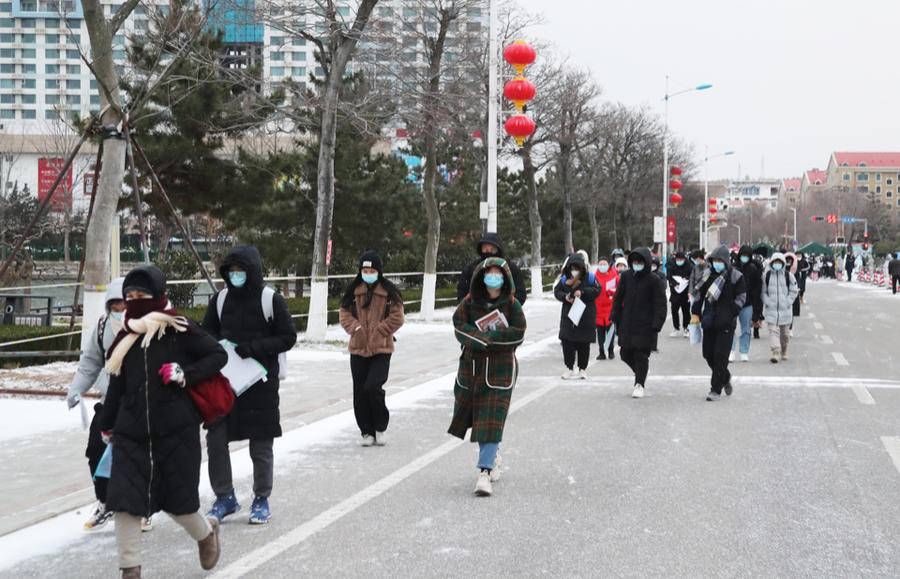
24	418
53	535
54	376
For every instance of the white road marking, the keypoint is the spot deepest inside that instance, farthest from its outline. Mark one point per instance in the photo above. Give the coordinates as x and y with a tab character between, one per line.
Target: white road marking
818	326
810	315
826	339
863	395
768	381
892	445
839	359
258	557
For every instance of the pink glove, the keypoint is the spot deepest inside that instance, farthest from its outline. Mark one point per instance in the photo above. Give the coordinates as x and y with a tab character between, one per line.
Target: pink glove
172	373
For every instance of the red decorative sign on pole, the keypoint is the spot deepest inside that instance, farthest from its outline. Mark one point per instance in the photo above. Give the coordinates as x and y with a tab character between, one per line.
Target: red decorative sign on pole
670	229
89	183
48	170
328	255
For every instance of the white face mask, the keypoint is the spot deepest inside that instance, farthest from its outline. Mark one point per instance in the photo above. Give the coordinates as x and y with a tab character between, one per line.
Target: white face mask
576	274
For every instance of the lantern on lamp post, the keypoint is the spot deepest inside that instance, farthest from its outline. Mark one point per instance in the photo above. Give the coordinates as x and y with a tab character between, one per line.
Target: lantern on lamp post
520	91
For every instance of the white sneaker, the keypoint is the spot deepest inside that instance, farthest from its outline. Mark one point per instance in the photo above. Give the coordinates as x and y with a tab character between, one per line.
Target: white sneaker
380	438
367	440
731	356
146	524
686	333
99	518
569	375
483	487
582	375
675	334
495	472
745	357
638	391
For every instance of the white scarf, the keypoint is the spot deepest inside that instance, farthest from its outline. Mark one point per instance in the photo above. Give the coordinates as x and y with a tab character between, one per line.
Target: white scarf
152	324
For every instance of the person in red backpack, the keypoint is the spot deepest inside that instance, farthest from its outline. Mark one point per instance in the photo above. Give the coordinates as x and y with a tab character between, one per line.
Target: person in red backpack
608	279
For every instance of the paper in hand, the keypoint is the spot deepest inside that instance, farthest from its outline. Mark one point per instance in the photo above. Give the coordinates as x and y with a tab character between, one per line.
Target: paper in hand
492	322
242	373
577	311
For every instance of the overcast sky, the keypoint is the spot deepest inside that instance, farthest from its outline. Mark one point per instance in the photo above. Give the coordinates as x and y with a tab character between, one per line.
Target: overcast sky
793	80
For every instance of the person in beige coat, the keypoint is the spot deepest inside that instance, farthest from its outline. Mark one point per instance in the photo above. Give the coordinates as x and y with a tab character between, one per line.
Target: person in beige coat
371	313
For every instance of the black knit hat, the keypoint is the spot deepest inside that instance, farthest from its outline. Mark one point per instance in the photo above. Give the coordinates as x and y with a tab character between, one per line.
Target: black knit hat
145	278
370	258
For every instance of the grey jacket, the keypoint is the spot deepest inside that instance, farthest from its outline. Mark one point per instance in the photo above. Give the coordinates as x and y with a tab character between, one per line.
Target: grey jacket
778	296
90	370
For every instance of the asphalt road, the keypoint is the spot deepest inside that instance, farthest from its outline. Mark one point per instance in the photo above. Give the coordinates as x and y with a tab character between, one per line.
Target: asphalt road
796	475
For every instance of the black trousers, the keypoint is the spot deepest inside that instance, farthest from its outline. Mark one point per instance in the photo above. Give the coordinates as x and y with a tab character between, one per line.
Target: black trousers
895	279
603	333
571	349
684	308
716	348
95	449
638	359
369	377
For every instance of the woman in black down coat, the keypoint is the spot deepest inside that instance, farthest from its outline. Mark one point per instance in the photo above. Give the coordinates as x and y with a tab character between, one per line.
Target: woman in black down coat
577	284
151	420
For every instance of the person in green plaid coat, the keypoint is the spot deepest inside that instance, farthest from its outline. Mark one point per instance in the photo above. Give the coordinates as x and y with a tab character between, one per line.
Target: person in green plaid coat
487	367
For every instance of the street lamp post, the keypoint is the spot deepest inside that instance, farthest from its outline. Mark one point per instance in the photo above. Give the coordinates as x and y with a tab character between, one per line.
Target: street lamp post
665	196
796	241
704	241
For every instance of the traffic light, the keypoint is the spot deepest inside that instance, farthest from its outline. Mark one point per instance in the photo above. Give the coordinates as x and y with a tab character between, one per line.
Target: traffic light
832	218
817	218
865	241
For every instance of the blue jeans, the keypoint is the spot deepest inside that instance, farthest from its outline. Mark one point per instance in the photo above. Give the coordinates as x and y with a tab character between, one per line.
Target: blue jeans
746	317
487	454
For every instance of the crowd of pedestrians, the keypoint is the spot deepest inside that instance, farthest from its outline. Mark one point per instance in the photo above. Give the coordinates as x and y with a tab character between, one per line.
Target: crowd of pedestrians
160	376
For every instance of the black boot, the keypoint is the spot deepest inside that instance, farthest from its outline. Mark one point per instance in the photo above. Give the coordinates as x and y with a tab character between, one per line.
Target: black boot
612	355
602	354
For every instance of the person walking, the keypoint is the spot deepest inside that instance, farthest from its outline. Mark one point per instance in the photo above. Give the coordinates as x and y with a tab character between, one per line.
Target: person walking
698	270
894	271
490	245
719	299
488	368
607	279
791	265
849	265
255	321
371	313
151	421
639	313
89	374
577	285
804	269
751	314
779	292
679	277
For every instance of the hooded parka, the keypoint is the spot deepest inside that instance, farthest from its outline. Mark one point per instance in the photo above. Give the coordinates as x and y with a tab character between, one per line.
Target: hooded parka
639	308
780	289
487	366
586	330
256	413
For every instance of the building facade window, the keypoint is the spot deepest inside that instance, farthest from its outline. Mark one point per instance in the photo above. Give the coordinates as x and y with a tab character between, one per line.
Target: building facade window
29	99
861	176
29	53
7	99
29	114
878	176
7	114
28	38
7	68
51	39
29	83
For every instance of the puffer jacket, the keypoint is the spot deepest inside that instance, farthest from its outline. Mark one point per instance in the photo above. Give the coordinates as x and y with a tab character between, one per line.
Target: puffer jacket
721	314
780	289
256	412
607	283
586	330
371	328
639	307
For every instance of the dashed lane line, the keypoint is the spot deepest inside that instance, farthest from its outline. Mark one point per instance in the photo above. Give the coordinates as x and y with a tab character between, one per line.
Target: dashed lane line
892	445
826	339
863	395
818	326
839	359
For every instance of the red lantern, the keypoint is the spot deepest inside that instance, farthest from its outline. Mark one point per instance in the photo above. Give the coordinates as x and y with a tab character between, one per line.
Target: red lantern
675	171
675	199
519	91
674	184
519	127
519	54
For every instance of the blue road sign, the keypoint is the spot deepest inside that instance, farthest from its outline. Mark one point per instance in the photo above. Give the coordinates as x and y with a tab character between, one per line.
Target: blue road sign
848	219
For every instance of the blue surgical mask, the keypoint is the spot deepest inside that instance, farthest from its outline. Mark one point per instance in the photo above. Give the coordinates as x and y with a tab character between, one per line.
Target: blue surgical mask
778	266
493	280
604	268
370	278
745	259
237	278
679	262
637	267
718	266
695	261
118	316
